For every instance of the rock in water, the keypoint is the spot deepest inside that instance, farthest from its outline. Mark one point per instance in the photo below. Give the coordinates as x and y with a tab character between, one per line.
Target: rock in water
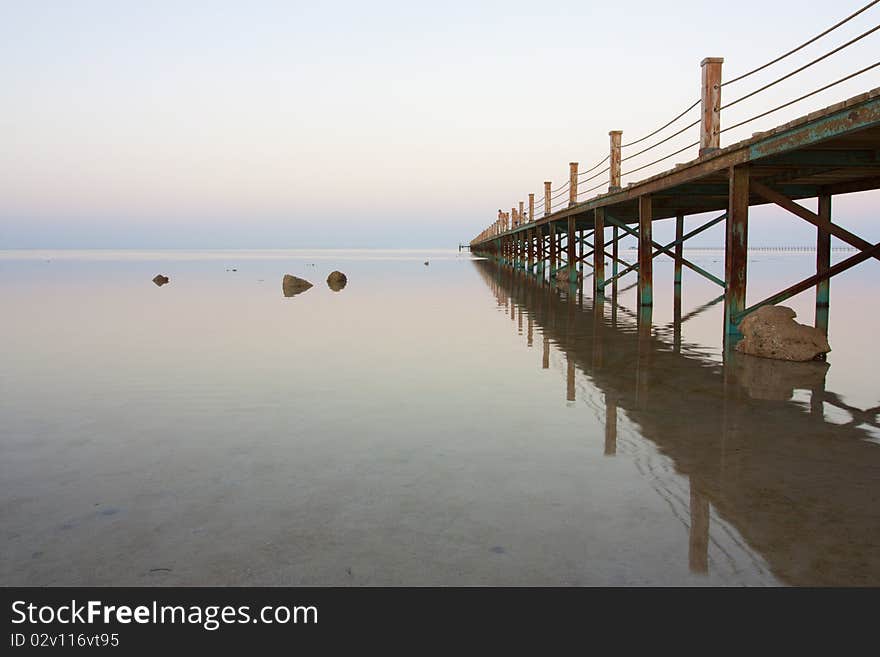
161	280
562	277
336	281
426	263
771	332
763	378
292	285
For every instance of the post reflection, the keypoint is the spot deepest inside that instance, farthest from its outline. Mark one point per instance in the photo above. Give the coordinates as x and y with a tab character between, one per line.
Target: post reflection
797	489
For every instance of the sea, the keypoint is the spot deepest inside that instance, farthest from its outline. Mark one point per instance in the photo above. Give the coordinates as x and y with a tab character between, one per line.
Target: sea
439	420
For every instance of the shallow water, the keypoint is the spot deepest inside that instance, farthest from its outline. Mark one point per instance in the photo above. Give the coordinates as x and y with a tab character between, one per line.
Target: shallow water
446	424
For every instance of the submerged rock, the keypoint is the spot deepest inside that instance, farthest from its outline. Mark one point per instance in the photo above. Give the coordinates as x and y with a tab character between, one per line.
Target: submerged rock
292	285
336	281
562	277
771	332
426	263
161	280
777	380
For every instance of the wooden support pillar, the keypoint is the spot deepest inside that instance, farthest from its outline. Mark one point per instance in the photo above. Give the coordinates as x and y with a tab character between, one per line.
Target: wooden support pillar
547	186
552	250
599	252
545	356
572	183
521	216
531	207
736	249
614	252
823	263
580	258
679	251
530	240
542	256
676	299
570	245
646	252
614	162
710	125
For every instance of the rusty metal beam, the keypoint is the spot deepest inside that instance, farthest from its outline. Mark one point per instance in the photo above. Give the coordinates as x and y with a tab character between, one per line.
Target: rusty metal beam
646	260
807	283
599	253
813	218
823	262
736	248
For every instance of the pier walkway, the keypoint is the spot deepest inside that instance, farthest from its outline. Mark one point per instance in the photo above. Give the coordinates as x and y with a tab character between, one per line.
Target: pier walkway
826	153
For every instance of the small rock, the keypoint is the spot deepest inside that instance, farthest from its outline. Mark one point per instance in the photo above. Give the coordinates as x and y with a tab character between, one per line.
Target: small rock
292	285
771	332
336	281
161	280
426	263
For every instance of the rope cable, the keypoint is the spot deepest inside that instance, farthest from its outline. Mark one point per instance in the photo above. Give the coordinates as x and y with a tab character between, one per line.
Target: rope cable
604	160
800	98
562	190
665	139
798	70
665	157
596	175
592	189
803	45
663	127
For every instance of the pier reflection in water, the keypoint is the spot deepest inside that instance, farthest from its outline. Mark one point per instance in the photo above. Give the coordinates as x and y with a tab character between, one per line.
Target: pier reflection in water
802	492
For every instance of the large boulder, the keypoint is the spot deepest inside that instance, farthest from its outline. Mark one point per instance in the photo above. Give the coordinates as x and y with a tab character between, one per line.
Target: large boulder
771	332
161	280
336	281
292	285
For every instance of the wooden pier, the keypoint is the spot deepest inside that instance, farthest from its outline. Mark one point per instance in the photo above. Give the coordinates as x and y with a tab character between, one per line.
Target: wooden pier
826	153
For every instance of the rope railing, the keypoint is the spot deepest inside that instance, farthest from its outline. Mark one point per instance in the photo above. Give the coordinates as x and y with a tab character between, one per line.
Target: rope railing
802	46
801	68
800	98
665	125
710	127
603	161
664	140
658	160
592	189
596	175
558	205
562	190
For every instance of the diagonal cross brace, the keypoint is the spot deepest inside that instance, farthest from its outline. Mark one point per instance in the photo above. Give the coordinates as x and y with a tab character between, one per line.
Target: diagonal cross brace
797	209
807	283
666	249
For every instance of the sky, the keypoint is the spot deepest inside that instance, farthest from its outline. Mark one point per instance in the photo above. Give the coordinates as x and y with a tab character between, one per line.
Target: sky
130	124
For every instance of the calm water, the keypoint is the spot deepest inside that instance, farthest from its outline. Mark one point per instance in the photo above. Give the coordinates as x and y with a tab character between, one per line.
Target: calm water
448	424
